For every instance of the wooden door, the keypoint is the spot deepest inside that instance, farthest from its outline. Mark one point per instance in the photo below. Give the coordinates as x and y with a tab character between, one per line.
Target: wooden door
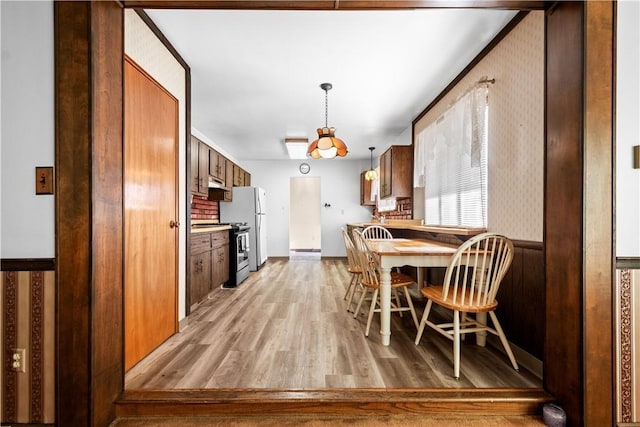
150	193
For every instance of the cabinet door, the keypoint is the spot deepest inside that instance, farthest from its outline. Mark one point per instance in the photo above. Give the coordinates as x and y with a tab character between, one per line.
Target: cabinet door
395	172
203	168
195	172
365	191
200	277
386	170
247	179
228	195
221	266
216	165
238	176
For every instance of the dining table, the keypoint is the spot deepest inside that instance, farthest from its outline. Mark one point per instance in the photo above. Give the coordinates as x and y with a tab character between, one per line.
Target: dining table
400	252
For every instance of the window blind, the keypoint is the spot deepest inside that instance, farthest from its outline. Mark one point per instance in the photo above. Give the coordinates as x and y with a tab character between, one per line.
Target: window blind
451	163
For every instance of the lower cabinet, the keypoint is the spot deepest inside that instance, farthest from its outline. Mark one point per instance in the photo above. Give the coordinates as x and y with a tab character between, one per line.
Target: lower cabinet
220	258
209	264
200	277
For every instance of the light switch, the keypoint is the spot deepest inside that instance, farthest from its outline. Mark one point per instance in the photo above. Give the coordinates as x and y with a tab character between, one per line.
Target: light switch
44	180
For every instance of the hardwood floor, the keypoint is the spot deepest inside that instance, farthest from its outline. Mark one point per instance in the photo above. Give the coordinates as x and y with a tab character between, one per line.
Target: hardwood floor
287	327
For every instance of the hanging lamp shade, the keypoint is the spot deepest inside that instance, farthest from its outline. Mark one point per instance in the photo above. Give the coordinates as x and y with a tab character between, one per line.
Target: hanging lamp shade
327	146
371	174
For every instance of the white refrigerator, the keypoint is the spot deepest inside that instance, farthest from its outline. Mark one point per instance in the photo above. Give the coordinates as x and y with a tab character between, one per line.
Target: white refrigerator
249	204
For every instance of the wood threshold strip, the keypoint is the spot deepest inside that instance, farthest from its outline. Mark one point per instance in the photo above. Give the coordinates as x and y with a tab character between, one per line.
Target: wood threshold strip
334	5
335	401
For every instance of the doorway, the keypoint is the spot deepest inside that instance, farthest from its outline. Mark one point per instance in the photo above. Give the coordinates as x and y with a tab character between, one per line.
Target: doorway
150	206
304	217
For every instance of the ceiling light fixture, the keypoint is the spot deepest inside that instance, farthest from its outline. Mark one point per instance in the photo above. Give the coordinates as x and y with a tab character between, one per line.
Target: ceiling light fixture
297	147
371	174
327	146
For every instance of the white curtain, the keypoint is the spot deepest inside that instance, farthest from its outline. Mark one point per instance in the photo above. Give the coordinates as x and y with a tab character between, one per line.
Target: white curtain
451	163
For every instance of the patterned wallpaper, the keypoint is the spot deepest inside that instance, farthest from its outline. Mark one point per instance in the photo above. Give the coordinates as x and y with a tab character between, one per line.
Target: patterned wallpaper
516	129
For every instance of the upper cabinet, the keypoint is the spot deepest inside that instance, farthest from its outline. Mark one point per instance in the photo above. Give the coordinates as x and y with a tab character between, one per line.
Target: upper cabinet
365	191
238	176
199	167
208	163
395	172
217	166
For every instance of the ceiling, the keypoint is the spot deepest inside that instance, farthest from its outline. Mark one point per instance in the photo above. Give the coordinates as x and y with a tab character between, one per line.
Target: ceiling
256	75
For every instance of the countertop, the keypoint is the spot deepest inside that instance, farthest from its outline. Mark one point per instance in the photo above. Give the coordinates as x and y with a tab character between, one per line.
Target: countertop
210	229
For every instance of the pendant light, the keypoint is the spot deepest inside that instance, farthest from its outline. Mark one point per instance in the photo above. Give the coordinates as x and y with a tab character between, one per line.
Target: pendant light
371	174
327	146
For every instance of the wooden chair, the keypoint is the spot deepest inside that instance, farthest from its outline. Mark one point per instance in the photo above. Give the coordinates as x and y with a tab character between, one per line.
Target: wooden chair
470	285
353	266
376	232
370	280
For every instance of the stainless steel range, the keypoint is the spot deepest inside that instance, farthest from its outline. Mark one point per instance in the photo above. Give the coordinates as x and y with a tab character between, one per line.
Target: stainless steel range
239	252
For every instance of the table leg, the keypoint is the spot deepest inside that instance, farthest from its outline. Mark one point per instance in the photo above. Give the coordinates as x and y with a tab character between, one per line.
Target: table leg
385	305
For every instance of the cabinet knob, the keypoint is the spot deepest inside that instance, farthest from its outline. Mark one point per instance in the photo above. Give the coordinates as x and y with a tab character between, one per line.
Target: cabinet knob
174	224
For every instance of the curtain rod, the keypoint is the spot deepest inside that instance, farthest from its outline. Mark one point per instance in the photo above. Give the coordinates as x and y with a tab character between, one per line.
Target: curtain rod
483	80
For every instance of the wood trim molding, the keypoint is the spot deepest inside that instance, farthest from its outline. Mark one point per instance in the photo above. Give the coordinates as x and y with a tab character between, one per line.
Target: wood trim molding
337	401
628	263
497	39
625	345
88	49
598	219
335	4
28	264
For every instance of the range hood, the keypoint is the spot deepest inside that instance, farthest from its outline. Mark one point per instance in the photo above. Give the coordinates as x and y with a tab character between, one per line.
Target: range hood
215	184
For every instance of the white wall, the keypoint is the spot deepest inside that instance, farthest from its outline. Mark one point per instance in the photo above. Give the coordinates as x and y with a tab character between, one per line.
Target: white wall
339	187
27	121
628	129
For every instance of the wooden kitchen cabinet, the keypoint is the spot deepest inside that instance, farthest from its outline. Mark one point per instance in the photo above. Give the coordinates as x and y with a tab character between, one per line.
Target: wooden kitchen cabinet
365	191
217	166
247	179
238	176
209	264
201	255
395	172
199	167
219	258
228	195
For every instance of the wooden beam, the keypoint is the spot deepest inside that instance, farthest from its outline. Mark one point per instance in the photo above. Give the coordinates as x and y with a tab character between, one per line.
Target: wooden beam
336	402
335	5
599	261
88	103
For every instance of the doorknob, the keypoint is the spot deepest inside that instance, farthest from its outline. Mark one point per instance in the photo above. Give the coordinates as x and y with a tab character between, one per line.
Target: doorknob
174	224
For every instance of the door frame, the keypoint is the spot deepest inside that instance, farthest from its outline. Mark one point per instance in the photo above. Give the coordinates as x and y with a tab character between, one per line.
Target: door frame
88	101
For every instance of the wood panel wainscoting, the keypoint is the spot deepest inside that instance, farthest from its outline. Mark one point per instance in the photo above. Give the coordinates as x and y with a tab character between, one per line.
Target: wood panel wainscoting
521	298
627	308
28	319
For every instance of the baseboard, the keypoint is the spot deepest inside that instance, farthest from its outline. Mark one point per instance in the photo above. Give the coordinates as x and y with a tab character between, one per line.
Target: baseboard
524	359
183	324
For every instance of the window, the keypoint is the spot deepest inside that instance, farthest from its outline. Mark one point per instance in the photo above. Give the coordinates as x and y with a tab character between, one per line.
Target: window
451	163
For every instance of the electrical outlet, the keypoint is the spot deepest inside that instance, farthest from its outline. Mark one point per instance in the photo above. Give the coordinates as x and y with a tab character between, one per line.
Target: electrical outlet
18	359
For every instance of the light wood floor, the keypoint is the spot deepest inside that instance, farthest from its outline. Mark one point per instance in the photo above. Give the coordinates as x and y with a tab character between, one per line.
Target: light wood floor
287	326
